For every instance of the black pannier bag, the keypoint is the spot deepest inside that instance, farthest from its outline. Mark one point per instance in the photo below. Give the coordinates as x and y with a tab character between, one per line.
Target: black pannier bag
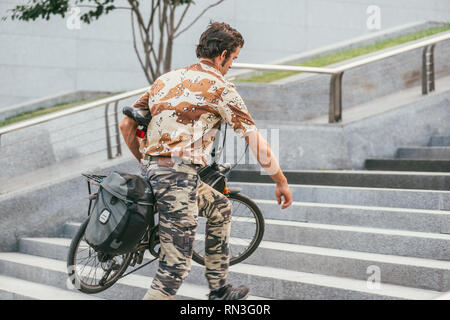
123	209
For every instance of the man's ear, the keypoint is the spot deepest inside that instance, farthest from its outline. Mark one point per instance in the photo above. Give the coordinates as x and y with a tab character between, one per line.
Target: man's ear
223	54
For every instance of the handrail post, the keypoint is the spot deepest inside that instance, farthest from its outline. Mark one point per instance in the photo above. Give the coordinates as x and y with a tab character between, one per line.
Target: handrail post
335	109
428	69
424	71
108	136
432	67
116	117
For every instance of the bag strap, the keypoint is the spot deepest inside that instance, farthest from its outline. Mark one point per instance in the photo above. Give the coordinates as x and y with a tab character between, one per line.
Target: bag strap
216	142
123	198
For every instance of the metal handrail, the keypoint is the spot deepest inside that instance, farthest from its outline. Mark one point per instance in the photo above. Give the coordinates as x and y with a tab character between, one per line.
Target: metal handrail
63	113
335	106
273	67
88	106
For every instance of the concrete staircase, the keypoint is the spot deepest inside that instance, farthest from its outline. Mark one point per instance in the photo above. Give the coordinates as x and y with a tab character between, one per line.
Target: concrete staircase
330	244
433	157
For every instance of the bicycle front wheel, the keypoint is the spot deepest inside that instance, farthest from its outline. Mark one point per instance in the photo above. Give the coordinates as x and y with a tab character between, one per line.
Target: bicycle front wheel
91	271
247	230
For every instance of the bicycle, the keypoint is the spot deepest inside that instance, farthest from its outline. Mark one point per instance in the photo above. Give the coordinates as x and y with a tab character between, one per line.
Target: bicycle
92	272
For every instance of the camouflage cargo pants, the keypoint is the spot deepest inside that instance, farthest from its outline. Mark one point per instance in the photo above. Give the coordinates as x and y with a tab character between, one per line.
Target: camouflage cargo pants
181	197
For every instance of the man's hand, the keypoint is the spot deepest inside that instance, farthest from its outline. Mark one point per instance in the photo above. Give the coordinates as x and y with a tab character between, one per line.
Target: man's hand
261	150
128	128
283	191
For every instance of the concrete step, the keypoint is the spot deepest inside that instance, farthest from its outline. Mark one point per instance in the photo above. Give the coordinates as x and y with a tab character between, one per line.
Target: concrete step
424	153
70	229
375	240
377	197
53	272
406	271
18	289
239	228
408	165
430	245
413	272
265	281
352	178
420	220
442	141
364	216
300	285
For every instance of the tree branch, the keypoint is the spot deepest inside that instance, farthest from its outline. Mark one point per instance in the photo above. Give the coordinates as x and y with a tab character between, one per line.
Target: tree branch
198	17
182	16
137	51
152	13
162	25
135	8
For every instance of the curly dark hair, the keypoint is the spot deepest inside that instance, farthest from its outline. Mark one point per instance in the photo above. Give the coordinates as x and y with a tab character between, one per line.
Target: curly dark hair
218	37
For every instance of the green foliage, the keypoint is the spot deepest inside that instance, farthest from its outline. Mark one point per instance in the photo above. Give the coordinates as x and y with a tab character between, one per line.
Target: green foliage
44	9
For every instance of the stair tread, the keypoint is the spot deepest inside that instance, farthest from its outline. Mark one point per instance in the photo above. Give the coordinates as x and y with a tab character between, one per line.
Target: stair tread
405	160
340	253
297	248
359	172
333	281
358	207
232	183
425	147
141	281
394	232
40	291
254	270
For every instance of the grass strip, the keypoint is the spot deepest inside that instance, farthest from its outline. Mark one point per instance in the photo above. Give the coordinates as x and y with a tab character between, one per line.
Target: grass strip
268	77
46	110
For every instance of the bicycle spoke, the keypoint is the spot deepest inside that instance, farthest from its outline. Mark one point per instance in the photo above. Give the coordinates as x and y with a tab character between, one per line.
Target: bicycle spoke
244	231
94	271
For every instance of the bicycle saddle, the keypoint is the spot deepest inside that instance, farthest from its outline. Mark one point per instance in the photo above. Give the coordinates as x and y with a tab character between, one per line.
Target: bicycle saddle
142	117
224	168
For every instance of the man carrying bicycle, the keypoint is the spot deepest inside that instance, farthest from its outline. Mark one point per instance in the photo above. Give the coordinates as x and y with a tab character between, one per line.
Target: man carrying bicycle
187	106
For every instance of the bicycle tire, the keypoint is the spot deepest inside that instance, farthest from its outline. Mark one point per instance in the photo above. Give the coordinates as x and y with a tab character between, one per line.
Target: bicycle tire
256	238
77	280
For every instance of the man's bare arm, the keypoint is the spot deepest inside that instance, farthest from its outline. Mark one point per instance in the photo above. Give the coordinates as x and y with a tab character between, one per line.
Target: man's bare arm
128	128
261	150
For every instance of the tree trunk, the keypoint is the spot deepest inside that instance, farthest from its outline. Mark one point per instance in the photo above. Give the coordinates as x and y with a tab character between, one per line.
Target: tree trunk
168	55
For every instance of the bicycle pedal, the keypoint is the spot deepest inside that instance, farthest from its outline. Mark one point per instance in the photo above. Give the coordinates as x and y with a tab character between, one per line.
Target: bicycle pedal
140	257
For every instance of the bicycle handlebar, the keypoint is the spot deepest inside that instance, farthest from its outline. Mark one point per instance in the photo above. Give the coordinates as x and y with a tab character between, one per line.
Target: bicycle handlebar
142	117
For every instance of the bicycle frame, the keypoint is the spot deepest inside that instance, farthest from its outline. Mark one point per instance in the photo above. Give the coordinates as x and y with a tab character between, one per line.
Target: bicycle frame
151	237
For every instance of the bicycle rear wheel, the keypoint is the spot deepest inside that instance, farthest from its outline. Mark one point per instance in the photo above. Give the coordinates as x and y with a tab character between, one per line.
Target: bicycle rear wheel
247	230
91	271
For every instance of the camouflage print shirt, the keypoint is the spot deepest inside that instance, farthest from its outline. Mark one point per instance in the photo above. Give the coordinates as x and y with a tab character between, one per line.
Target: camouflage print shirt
187	107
